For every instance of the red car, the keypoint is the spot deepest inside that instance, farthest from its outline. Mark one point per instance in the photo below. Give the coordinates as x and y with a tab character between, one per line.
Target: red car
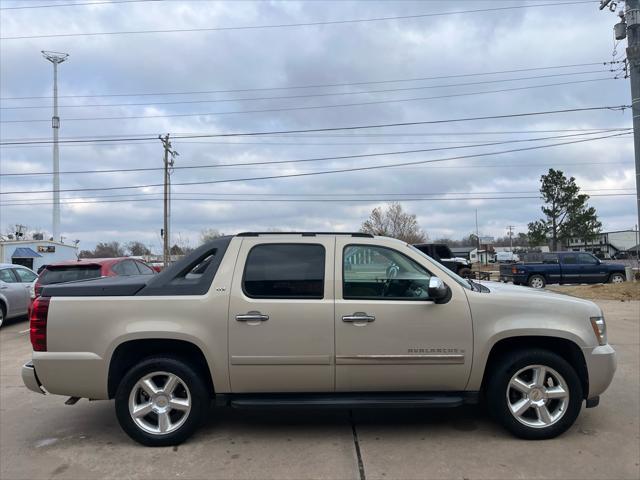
88	268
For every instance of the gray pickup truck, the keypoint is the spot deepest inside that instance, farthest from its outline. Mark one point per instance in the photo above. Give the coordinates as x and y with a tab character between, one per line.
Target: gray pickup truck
316	320
562	267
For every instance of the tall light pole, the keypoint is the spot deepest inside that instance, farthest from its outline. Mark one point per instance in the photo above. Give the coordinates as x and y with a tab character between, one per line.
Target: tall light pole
55	58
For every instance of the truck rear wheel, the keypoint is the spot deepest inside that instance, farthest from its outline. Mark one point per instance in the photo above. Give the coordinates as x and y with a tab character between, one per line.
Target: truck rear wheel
535	394
161	401
537	281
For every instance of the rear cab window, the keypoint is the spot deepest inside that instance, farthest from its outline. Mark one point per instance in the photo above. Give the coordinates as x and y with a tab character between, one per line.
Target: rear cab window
285	270
69	273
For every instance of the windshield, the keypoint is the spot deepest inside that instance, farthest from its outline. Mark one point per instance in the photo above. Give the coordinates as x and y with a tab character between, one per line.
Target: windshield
458	279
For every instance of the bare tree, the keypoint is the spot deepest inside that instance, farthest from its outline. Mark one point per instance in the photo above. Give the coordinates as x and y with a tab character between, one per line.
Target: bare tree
137	249
104	250
209	234
392	221
183	244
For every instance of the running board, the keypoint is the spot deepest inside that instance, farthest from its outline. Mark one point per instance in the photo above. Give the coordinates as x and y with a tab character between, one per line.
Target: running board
350	400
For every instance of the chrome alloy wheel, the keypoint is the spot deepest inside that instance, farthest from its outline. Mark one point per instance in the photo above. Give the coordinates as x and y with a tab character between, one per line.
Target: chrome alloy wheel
160	403
537	282
617	278
537	396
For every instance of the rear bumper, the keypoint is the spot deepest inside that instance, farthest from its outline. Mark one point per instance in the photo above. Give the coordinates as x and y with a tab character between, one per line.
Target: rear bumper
601	364
30	378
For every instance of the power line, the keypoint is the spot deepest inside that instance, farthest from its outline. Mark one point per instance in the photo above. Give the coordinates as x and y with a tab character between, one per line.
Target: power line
310	95
294	196
310	107
346	170
325	85
333	129
275	144
294	25
305	160
114	137
112	2
315	200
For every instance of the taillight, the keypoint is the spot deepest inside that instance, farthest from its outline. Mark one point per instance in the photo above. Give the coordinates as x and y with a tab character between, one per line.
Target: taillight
37	289
514	270
38	323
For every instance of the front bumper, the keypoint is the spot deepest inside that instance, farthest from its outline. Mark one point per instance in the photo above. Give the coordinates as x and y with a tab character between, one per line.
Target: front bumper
601	364
30	378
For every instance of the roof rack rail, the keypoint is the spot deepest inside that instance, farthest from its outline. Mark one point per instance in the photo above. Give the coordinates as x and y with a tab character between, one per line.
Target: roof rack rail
305	234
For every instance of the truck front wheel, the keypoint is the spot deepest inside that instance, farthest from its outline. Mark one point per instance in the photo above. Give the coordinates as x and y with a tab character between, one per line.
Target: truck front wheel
161	401
537	281
616	278
535	394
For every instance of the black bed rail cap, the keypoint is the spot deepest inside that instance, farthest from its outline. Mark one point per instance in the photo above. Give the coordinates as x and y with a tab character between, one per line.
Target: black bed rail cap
305	234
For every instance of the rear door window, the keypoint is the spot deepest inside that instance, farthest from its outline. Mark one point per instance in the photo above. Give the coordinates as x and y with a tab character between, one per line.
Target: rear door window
144	269
570	259
285	271
68	273
128	267
25	276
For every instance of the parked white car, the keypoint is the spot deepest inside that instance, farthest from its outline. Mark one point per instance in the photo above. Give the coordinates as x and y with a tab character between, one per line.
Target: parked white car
16	283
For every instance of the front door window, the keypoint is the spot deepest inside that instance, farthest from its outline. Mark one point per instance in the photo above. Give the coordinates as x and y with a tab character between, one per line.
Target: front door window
380	273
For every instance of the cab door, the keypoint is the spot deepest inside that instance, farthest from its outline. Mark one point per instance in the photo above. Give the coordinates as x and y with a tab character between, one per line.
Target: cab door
389	335
281	336
591	269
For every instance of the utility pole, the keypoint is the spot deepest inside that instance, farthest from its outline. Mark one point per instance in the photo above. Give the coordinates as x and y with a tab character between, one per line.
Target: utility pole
477	235
169	156
629	28
510	228
55	58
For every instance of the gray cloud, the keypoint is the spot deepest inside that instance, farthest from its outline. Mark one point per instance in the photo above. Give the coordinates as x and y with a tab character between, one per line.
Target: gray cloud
446	45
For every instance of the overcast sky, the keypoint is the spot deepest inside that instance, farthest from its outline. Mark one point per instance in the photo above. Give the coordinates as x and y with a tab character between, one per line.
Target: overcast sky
450	46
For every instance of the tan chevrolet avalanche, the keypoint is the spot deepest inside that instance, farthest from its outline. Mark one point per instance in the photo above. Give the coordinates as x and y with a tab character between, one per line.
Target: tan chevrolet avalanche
316	319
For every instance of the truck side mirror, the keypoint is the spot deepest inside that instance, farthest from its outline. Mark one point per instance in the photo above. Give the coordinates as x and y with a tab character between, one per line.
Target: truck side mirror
438	291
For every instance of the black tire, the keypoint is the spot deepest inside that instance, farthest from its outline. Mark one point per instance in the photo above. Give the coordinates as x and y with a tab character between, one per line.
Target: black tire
199	397
535	279
465	272
617	275
500	376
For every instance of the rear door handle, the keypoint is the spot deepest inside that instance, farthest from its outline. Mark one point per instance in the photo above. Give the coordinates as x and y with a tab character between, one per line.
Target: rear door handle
358	317
252	317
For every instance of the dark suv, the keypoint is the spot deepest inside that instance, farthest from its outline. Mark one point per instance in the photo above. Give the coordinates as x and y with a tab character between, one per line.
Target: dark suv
442	254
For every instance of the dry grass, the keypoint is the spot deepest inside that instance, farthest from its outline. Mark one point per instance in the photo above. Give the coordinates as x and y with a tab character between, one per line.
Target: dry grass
607	291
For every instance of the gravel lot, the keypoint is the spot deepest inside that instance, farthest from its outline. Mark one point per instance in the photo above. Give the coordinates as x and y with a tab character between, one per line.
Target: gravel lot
40	437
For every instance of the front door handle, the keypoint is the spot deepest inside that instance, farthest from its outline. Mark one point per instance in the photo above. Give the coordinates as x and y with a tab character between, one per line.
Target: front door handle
252	317
358	317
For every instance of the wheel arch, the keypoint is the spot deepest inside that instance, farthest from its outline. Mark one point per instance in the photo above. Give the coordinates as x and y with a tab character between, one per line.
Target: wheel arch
565	348
130	352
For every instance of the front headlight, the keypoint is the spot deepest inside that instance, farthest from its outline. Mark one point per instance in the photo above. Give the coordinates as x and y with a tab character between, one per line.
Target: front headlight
600	329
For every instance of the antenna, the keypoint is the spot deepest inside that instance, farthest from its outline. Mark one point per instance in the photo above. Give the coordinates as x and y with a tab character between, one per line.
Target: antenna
55	58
